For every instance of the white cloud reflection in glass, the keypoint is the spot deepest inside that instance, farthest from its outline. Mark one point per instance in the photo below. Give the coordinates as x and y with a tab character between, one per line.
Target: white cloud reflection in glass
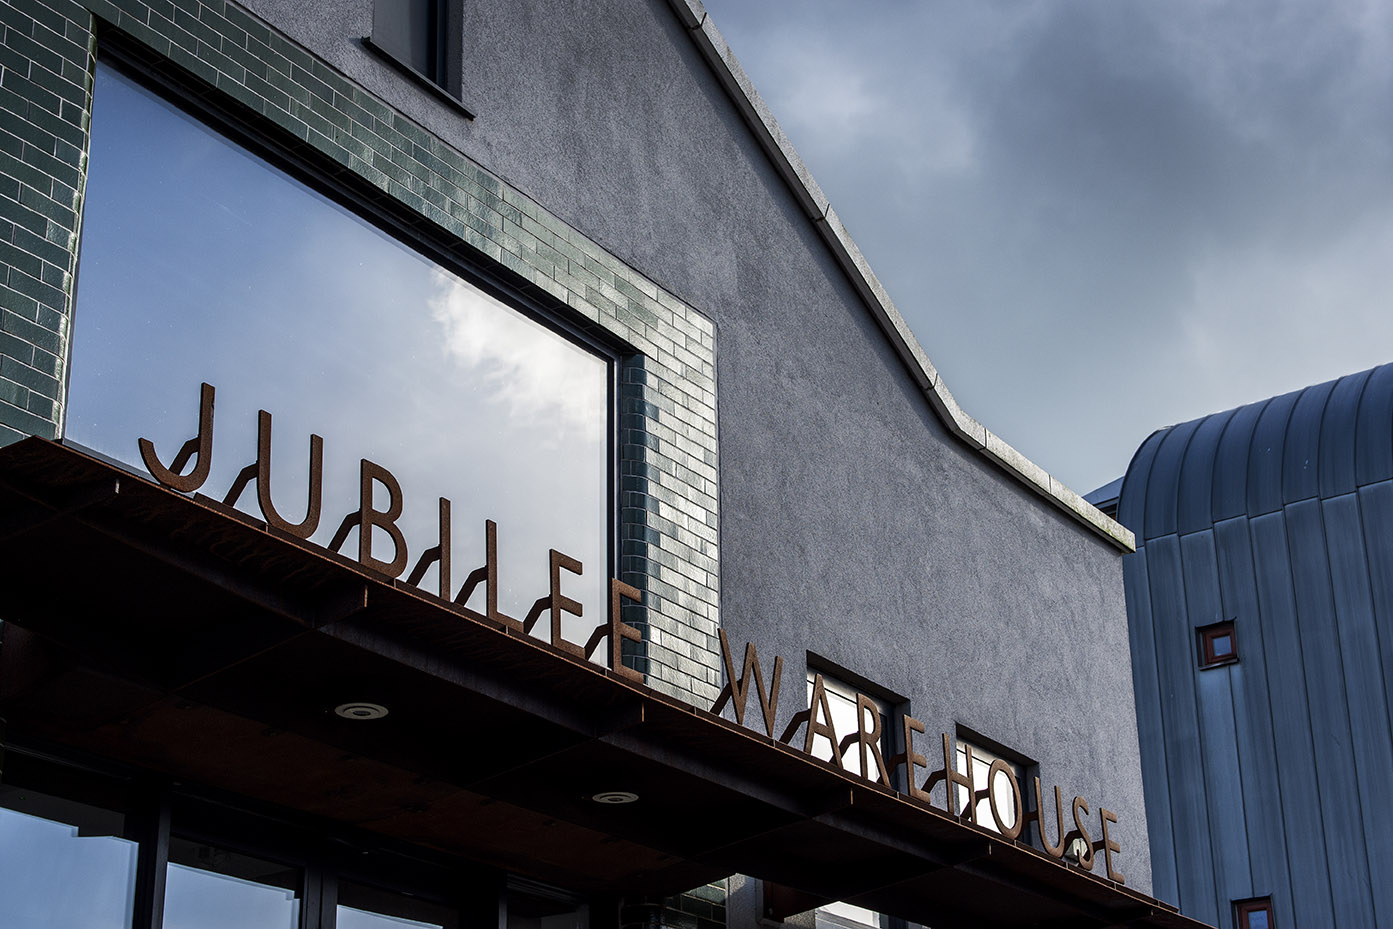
202	262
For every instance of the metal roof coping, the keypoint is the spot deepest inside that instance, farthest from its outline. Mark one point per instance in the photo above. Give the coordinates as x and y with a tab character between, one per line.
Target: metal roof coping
816	205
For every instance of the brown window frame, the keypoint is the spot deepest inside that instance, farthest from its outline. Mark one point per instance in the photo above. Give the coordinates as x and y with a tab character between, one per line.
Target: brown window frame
1208	657
1242	909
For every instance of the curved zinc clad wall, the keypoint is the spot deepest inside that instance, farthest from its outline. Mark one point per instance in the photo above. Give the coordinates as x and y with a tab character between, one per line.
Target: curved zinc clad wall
1271	771
852	523
1230	494
1301	452
1194	508
1336	463
1373	446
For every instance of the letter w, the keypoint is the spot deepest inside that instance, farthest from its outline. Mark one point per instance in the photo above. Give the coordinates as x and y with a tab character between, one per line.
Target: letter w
737	690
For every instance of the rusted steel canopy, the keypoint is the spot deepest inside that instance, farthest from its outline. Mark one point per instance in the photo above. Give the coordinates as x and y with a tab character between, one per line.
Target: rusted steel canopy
182	637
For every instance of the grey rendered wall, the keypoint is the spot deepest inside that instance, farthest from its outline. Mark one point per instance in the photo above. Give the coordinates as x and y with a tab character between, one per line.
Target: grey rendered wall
850	522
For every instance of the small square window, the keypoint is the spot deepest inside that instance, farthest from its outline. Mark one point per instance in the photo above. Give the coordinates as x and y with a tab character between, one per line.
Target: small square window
1253	914
413	32
847	718
1218	645
421	38
989	789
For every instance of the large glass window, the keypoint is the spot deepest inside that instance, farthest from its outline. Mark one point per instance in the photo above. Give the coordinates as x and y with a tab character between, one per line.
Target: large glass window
67	860
847	720
62	864
201	262
363	907
534	908
208	887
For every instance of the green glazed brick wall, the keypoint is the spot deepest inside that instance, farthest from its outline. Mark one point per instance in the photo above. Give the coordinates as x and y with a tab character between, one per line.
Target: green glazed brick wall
667	403
702	908
45	100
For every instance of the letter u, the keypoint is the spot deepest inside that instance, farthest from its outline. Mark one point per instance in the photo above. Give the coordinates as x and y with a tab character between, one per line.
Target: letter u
302	530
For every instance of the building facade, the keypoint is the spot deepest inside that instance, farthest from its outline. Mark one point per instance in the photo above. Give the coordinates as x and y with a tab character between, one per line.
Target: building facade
1260	607
588	417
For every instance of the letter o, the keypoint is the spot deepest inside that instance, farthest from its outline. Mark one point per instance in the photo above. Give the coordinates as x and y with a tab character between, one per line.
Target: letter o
1017	823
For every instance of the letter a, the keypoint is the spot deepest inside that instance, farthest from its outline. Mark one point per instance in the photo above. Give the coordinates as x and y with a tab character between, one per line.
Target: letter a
818	703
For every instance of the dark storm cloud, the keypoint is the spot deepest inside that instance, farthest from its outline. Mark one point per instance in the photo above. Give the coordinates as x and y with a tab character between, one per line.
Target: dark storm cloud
1103	217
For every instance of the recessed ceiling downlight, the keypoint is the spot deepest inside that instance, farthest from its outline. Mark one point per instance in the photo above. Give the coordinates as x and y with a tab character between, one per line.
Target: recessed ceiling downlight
361	710
614	797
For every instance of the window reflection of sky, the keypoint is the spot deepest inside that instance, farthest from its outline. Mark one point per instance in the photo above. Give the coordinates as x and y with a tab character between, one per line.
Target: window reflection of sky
51	877
202	263
197	899
346	917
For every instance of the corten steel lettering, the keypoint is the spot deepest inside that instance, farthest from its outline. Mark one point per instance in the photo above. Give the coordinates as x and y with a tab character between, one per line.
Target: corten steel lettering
1056	849
1001	767
260	471
1109	846
1081	831
200	445
367	518
817	702
869	741
439	552
488	575
963	779
913	759
816	720
560	603
737	690
618	630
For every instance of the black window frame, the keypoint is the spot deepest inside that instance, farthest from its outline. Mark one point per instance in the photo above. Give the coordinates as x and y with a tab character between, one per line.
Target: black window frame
280	149
896	707
1023	769
441	74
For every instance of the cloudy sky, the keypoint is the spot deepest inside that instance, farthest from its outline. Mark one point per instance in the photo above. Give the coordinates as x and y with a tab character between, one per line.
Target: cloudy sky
1102	217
